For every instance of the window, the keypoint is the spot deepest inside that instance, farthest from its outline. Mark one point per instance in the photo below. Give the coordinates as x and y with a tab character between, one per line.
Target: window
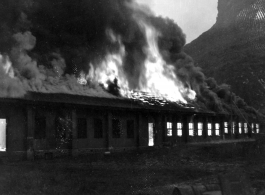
191	129
257	128
245	127
169	129
252	127
98	128
217	129
200	126
209	125
116	128
240	128
40	127
179	129
2	135
226	127
130	129
81	128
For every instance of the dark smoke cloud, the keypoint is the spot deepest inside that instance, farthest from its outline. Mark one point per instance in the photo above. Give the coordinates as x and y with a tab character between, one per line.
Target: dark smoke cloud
50	42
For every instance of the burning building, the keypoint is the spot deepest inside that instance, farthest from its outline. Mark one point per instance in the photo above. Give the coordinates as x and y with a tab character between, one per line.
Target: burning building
80	76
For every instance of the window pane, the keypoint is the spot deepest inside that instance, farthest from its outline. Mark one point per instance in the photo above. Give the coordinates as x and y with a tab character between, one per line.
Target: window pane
98	128
191	130
245	127
239	128
257	128
81	128
217	129
179	129
169	129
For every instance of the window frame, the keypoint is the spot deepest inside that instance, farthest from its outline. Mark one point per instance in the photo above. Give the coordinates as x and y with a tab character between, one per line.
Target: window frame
209	129
217	129
179	129
191	129
169	129
200	128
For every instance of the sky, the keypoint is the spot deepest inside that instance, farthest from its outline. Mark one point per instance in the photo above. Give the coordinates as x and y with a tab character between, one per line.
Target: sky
193	16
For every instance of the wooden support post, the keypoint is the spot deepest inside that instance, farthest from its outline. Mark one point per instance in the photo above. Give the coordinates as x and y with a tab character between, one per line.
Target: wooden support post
195	125
222	131
174	130
185	128
108	130
205	127
30	133
138	129
74	124
213	126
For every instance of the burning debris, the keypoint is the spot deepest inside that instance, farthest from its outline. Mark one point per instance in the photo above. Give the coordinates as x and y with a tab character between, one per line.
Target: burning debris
97	48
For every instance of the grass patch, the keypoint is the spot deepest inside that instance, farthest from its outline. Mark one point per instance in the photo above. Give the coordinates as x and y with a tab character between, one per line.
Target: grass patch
125	173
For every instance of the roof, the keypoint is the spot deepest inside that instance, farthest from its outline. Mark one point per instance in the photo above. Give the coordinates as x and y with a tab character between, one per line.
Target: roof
36	98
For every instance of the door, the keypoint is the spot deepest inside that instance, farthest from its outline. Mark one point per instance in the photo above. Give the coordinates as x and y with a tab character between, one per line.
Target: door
151	134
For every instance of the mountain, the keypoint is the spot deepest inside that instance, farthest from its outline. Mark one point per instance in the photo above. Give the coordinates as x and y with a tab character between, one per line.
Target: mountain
233	50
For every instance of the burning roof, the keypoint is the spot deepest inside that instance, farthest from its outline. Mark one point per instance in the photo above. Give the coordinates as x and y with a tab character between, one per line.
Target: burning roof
96	48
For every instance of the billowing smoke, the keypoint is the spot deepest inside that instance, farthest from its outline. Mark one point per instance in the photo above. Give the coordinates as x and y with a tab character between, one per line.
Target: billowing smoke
51	43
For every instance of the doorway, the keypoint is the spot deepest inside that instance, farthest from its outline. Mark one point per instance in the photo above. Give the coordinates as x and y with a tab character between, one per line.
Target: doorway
2	135
151	134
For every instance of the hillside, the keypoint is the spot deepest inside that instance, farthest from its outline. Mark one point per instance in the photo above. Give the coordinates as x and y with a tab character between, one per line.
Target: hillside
232	50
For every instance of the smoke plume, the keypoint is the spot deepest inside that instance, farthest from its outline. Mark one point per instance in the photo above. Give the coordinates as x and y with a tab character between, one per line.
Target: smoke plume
51	43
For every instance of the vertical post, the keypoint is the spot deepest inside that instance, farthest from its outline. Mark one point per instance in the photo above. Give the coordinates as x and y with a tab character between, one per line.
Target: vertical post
164	128
108	130
205	127
74	124
255	127
73	132
213	126
249	133
174	130
221	122
195	126
158	135
138	129
185	128
30	133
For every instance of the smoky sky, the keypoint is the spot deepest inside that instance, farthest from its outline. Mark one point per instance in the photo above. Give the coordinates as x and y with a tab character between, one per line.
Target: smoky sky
77	30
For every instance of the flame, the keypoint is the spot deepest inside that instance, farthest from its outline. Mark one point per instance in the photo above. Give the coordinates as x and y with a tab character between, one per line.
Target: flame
160	78
110	68
157	77
7	66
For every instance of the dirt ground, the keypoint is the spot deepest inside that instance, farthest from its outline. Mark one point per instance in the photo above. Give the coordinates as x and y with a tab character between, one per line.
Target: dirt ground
133	172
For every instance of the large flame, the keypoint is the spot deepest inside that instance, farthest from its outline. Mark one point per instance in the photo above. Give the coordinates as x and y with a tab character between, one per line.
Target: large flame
157	77
160	78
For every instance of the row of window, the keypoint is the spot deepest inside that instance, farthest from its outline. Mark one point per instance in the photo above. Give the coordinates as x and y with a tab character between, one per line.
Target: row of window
209	128
62	126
